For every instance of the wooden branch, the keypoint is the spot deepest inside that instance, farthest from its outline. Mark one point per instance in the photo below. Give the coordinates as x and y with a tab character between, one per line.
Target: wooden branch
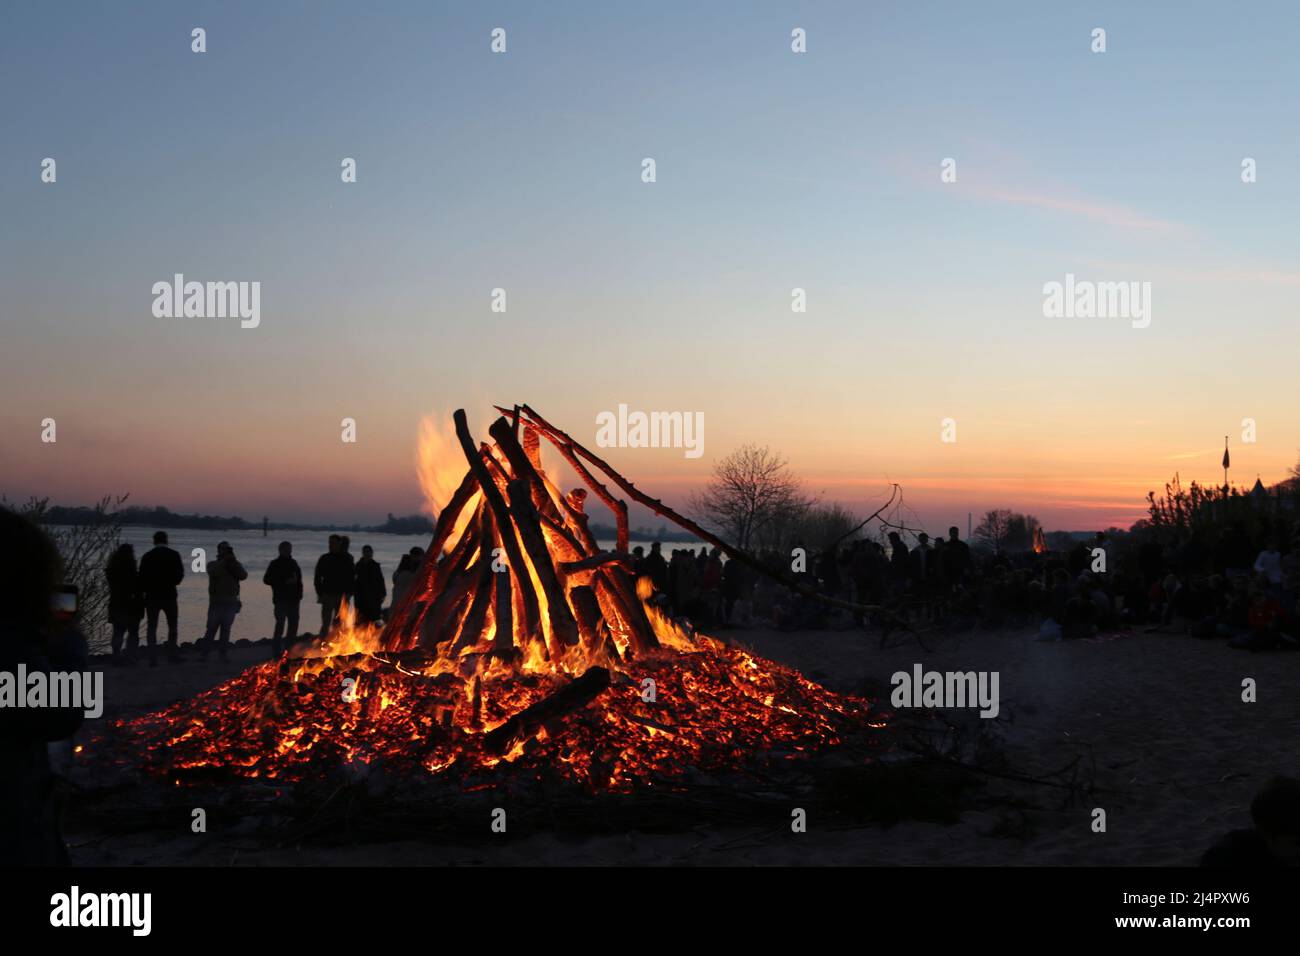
894	489
586	610
566	447
452	583
563	441
598	560
566	536
400	628
502	606
615	584
471	626
573	696
563	628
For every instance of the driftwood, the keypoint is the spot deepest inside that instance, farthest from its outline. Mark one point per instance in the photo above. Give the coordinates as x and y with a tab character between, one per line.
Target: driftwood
574	695
521	567
558	590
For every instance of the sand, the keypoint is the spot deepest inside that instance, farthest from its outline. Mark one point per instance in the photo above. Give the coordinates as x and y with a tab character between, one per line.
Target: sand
1177	757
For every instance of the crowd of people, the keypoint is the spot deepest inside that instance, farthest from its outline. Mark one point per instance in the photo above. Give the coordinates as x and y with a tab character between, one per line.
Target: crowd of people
1239	587
144	592
717	593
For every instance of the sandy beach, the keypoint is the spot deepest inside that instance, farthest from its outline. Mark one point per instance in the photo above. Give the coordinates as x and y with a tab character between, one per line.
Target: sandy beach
1158	721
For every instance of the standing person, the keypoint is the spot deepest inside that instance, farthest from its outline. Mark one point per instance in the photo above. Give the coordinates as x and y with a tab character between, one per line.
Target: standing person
334	581
32	637
898	563
285	578
125	609
160	572
956	559
369	587
657	567
224	575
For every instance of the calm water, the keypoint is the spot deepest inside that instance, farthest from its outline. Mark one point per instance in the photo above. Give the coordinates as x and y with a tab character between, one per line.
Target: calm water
255	552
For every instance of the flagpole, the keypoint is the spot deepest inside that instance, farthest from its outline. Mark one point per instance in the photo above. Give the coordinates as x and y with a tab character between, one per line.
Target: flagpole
1226	460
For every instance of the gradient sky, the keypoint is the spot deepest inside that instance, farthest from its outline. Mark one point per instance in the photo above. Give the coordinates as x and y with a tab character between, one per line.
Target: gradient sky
775	170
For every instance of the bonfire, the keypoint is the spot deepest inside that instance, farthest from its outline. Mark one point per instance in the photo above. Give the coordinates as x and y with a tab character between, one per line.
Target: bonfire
523	648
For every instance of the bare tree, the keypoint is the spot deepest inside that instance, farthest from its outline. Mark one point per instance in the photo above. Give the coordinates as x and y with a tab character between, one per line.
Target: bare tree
85	549
752	490
994	528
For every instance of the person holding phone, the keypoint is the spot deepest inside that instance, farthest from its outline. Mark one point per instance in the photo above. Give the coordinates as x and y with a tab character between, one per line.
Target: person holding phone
37	630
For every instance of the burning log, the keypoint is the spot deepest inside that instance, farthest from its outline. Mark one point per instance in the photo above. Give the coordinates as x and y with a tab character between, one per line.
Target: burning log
597	561
587	611
402	621
452	582
472	625
563	629
573	696
515	559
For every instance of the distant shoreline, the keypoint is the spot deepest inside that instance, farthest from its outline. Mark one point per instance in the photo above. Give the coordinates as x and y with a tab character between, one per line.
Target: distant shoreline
165	519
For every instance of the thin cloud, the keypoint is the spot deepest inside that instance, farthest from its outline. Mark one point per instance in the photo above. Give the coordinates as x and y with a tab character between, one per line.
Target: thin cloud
1105	213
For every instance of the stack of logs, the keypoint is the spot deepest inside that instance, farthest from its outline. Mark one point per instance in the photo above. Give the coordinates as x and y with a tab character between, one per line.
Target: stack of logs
526	557
521	515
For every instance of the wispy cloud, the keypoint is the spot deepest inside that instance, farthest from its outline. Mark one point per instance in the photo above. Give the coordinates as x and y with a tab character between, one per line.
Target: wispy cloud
1106	213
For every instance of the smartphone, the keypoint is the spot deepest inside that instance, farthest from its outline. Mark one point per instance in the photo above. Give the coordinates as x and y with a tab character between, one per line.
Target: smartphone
65	599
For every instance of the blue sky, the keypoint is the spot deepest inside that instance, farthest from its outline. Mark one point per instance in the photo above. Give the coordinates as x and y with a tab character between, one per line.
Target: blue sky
521	171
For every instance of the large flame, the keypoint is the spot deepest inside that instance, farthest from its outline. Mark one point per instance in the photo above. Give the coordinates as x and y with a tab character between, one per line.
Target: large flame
440	465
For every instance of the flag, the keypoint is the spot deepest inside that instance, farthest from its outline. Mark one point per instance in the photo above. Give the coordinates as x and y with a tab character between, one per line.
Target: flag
1225	453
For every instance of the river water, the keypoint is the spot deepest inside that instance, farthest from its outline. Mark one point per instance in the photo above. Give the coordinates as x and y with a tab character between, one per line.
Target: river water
255	552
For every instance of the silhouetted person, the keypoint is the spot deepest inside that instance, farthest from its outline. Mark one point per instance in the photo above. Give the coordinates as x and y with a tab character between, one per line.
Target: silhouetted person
404	576
334	581
369	588
956	559
32	635
125	607
160	572
1274	840
657	567
285	578
918	560
224	575
898	562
